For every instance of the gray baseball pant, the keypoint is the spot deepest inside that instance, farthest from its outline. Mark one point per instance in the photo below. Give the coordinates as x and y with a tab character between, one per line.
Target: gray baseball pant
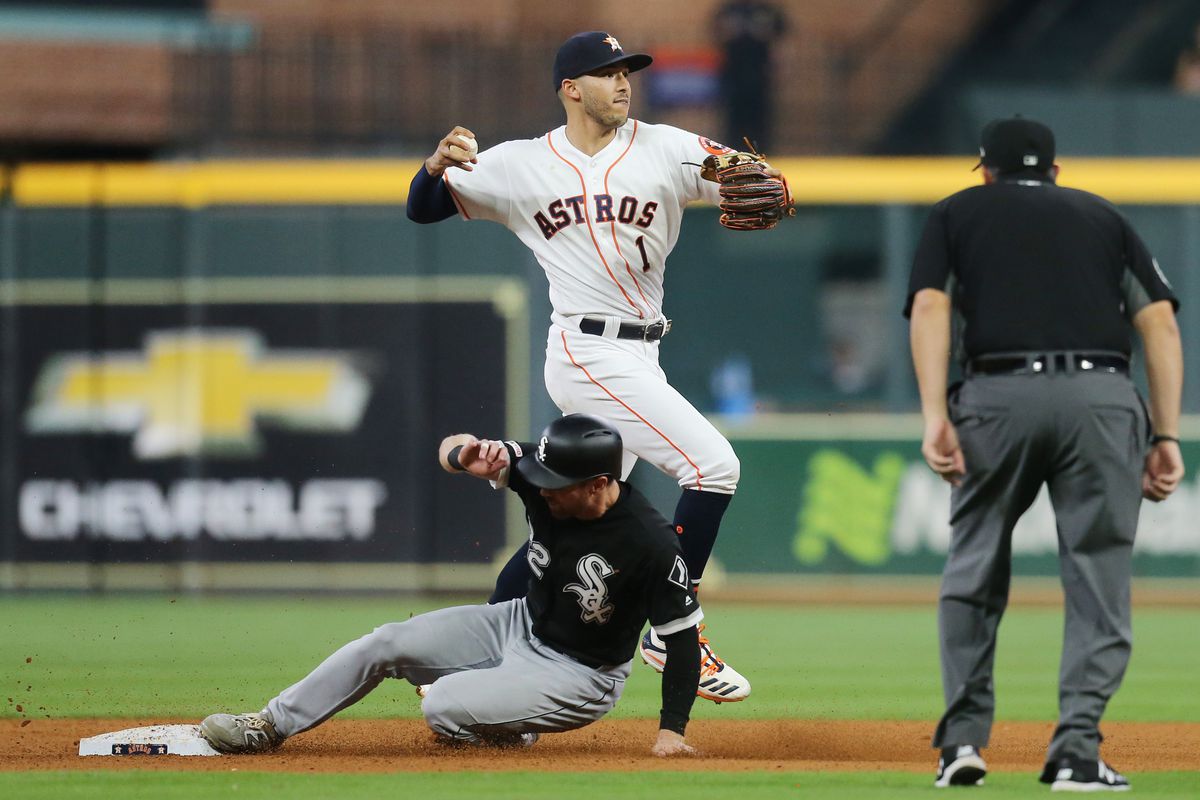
1084	435
494	678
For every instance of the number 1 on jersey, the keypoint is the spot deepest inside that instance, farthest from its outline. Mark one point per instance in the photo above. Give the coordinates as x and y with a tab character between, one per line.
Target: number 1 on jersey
641	246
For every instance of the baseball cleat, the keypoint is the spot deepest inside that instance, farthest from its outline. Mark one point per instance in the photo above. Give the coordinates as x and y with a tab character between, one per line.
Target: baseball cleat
510	741
960	766
653	651
719	682
241	733
1083	775
520	741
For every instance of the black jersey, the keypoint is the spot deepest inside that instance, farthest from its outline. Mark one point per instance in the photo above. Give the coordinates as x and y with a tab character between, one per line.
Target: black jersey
1032	266
595	583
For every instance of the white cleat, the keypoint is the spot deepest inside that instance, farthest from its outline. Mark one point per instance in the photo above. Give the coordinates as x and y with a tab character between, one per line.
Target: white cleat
719	682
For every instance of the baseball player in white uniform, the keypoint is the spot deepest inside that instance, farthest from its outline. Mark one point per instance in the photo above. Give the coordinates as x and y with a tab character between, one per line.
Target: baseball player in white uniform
599	201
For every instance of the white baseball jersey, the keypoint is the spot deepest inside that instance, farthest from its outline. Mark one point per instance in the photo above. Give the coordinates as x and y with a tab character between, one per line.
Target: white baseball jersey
601	226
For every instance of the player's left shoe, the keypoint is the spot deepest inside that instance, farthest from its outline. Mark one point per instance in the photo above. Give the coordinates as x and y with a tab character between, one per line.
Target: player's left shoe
960	766
241	733
1083	775
719	682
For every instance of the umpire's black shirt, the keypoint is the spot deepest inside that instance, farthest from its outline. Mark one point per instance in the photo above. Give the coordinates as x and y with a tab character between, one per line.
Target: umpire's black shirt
1031	267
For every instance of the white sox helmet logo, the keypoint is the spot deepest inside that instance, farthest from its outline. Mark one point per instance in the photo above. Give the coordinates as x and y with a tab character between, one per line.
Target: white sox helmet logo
541	451
593	593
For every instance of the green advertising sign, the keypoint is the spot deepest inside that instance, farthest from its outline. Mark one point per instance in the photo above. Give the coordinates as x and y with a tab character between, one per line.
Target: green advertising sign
857	505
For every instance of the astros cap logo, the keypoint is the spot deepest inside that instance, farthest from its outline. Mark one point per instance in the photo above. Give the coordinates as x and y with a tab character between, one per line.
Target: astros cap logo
192	391
611	41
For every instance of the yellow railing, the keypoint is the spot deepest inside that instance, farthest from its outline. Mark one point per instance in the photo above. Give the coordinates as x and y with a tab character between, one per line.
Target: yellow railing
814	181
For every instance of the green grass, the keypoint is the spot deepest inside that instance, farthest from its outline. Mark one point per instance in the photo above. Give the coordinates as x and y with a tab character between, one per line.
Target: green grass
152	656
538	786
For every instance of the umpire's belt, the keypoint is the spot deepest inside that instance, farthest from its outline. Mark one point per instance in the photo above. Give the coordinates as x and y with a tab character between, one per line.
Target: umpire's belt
1047	363
650	332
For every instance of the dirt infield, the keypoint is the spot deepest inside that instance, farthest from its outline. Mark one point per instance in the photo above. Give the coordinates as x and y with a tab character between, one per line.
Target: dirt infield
618	745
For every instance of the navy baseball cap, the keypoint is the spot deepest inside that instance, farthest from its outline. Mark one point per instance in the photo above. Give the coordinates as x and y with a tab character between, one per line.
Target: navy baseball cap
591	50
1012	145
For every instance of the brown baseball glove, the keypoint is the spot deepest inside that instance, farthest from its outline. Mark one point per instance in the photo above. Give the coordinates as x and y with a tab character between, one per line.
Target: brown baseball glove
751	200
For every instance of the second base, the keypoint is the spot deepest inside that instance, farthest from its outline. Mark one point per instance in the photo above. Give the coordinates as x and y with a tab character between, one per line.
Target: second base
154	740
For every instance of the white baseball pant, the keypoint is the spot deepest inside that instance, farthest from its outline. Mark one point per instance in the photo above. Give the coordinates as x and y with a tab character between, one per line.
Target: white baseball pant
621	380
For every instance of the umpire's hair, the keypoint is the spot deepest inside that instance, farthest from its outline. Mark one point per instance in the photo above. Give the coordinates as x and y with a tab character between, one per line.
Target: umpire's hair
1041	174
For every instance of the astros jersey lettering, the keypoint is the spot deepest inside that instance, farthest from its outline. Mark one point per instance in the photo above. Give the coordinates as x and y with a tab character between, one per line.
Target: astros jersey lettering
601	226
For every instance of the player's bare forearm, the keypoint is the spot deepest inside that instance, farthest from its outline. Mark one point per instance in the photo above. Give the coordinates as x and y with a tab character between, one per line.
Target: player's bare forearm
929	337
448	444
930	341
1156	325
1164	467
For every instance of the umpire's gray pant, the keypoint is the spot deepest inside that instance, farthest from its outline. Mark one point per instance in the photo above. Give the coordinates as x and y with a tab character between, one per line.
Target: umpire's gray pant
495	679
1083	435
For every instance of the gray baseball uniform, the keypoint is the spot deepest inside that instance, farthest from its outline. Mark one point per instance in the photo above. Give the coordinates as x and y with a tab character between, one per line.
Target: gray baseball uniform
1044	282
494	677
1084	436
553	661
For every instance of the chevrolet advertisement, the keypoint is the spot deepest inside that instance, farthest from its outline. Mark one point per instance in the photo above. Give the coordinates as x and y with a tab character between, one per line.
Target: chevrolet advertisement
286	431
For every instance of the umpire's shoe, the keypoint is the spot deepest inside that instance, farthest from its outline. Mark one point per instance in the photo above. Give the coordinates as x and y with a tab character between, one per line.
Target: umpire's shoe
719	682
960	766
1083	775
241	733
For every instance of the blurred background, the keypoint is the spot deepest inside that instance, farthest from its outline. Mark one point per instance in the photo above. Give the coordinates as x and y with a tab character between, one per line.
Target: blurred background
226	357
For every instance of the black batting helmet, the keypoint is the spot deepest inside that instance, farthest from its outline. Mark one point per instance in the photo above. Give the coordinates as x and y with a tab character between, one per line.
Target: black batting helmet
573	449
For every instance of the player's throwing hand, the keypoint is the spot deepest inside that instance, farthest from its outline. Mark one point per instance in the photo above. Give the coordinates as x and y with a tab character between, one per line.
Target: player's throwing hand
462	156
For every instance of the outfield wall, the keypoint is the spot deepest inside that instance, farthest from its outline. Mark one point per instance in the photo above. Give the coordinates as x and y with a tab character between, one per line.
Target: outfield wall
851	494
168	271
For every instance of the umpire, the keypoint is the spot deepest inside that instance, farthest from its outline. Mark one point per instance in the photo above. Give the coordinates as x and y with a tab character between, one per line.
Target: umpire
1041	284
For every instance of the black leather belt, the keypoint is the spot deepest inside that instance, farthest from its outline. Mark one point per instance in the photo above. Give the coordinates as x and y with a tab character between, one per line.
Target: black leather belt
1046	363
650	332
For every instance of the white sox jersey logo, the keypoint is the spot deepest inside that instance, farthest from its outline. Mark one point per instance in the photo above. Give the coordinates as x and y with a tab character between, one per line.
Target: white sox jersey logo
538	558
593	592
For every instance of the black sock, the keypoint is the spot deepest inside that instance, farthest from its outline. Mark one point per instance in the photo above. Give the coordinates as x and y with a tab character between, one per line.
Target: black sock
513	580
697	520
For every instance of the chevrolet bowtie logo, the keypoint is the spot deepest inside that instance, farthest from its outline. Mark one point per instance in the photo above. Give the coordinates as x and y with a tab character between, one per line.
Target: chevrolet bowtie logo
194	391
